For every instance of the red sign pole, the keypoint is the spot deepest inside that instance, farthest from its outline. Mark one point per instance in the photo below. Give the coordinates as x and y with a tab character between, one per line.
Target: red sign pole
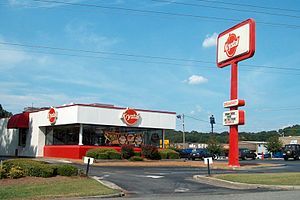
233	133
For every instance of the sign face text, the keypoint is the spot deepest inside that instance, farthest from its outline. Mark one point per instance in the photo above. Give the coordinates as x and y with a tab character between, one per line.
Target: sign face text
130	117
52	116
236	43
233	103
234	117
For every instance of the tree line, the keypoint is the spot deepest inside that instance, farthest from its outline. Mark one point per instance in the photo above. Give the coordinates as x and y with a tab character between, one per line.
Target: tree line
202	137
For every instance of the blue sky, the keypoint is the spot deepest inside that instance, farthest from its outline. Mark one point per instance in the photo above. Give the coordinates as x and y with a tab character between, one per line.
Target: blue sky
52	77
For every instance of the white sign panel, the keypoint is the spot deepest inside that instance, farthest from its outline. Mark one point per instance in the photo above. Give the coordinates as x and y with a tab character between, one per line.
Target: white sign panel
209	159
231	118
86	160
234	43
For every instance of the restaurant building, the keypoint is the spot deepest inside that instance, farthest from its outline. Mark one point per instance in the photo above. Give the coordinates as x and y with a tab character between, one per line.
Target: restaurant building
69	131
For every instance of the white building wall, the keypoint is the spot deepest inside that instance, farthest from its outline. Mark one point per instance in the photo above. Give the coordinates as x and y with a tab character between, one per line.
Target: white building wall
8	139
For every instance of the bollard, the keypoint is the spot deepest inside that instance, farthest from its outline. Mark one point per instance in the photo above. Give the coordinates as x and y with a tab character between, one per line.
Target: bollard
88	167
208	167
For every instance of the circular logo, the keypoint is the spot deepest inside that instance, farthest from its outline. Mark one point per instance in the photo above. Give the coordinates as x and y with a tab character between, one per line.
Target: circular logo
231	44
52	116
130	117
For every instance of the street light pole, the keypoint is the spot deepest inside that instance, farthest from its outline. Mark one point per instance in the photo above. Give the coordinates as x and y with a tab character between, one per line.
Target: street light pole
181	117
212	122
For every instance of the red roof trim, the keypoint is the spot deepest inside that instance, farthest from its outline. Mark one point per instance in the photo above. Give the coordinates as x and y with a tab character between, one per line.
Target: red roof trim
19	121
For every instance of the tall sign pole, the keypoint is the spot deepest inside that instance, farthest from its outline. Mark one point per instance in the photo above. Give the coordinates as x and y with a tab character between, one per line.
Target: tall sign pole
234	45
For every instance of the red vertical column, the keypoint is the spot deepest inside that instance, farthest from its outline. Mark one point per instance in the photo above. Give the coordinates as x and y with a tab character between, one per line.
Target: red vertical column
233	133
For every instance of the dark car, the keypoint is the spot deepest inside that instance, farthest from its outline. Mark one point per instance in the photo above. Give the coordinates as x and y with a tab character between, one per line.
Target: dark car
200	154
291	151
185	153
246	154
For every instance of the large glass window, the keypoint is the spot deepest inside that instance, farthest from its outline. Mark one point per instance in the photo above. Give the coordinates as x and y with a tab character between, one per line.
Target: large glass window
62	135
23	132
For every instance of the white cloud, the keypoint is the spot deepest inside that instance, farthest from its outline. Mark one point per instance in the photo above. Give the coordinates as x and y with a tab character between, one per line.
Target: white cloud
84	34
210	40
196	79
35	4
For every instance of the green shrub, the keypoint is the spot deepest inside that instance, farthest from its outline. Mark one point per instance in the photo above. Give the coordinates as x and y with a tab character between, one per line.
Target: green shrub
163	154
127	151
114	155
173	155
30	167
3	173
137	154
136	158
102	156
94	153
66	170
16	172
150	152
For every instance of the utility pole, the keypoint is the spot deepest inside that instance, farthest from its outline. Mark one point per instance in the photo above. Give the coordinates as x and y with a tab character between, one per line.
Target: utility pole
212	122
181	117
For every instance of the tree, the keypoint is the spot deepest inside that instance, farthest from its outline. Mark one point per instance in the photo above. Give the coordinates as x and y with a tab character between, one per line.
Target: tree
274	144
4	113
214	147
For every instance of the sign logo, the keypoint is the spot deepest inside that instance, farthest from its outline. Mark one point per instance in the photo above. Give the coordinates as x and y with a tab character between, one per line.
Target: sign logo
231	44
52	116
130	117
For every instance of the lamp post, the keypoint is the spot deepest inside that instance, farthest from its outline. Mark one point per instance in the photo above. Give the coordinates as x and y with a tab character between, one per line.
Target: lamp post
212	122
181	117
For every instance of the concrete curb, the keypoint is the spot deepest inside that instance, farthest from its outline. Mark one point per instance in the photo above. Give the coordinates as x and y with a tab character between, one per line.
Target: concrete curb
240	186
109	185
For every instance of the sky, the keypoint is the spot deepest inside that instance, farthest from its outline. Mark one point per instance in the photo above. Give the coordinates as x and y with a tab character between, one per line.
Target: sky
150	54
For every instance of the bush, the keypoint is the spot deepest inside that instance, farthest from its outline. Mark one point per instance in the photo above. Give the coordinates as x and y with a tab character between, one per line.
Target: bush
169	154
3	173
30	167
137	154
173	155
127	151
94	153
66	170
136	158
114	155
163	154
150	152
16	172
102	156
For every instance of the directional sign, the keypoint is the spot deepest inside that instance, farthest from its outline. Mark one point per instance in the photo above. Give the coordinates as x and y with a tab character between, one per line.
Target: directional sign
233	103
234	117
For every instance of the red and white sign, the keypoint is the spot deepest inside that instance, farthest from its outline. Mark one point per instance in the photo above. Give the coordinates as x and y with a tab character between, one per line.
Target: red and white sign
233	103
236	43
52	116
234	117
130	117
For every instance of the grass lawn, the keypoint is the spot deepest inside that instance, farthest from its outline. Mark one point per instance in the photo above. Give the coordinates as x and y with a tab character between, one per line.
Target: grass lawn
42	188
266	179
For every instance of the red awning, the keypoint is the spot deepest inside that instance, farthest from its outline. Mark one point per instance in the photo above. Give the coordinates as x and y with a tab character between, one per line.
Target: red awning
19	121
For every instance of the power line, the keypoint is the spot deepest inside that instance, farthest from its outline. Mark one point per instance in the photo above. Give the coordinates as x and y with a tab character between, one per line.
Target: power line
250	5
226	8
201	120
132	55
292	26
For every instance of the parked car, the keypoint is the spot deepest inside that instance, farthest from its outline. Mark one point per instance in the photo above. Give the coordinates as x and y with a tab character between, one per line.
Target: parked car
291	151
200	154
266	155
245	153
185	153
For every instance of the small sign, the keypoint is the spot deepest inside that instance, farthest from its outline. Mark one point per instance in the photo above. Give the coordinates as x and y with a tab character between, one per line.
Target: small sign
130	117
233	103
86	160
236	43
209	159
234	117
52	116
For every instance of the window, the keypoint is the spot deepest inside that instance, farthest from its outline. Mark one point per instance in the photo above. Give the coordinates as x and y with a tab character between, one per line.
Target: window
22	136
62	135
